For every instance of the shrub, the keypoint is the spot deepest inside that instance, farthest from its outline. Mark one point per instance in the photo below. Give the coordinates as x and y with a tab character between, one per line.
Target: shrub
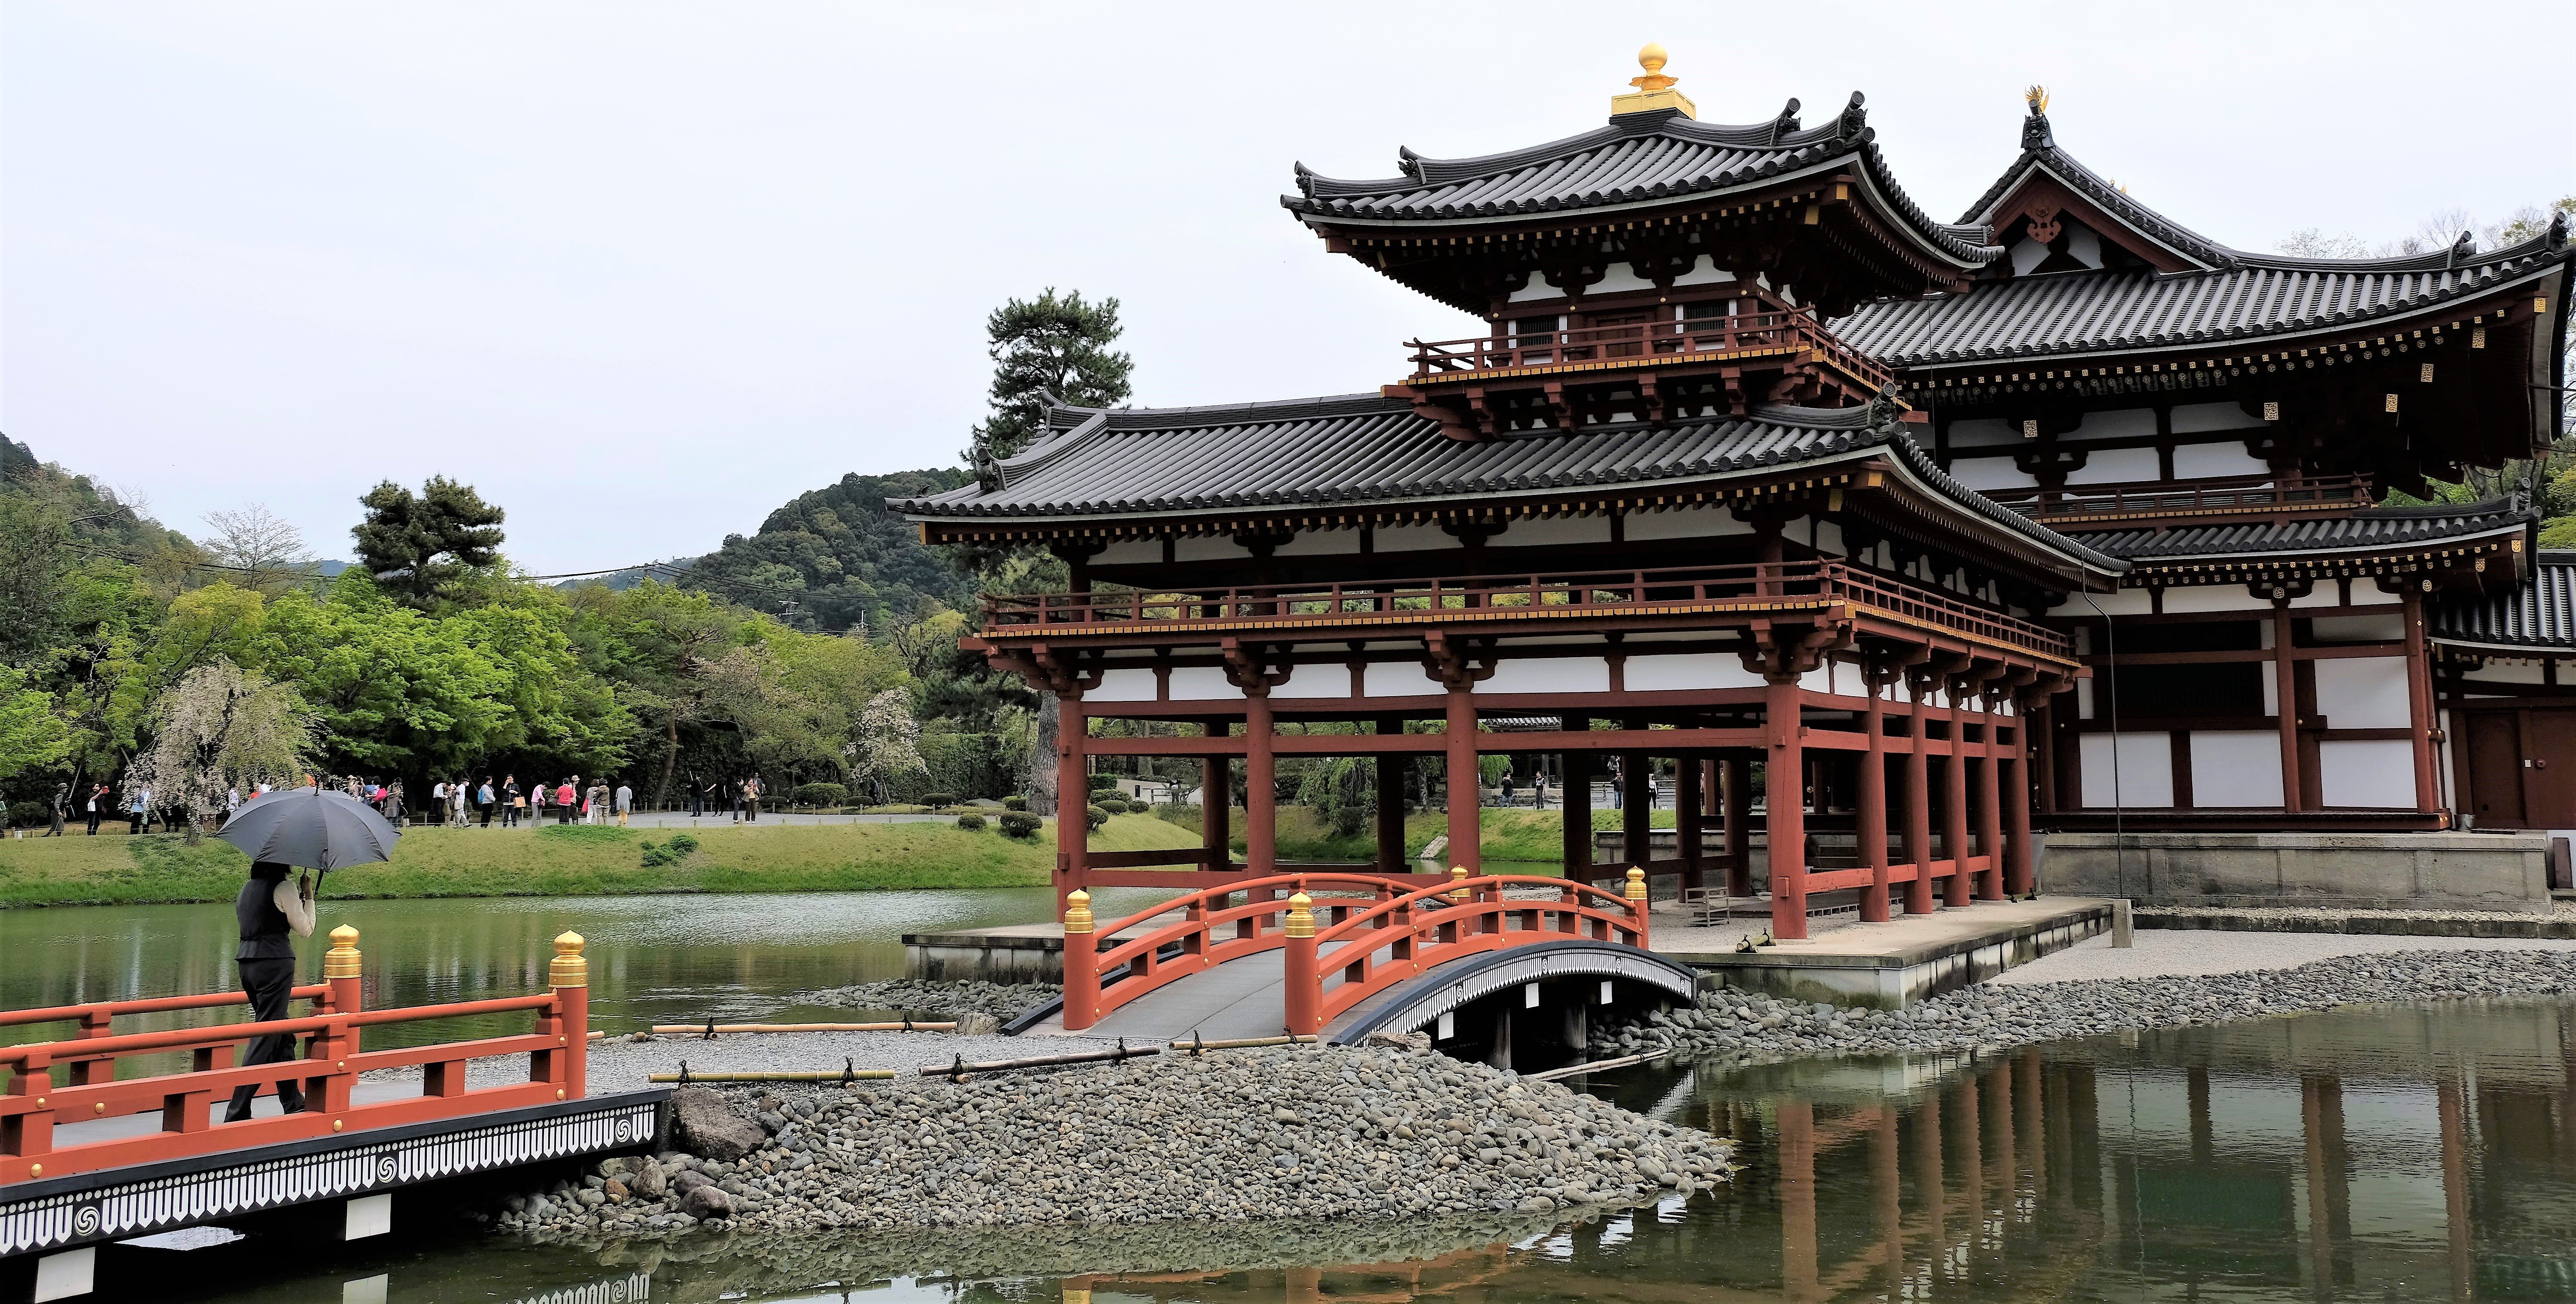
1021	825
1015	802
1103	782
971	823
936	799
1098	817
819	794
682	843
28	814
669	853
1112	805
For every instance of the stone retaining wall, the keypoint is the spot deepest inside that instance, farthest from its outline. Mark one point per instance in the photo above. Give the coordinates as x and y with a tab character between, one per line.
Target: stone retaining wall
2353	871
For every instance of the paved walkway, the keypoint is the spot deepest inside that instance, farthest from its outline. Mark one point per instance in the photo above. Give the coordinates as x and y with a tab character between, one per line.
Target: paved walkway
684	820
2162	952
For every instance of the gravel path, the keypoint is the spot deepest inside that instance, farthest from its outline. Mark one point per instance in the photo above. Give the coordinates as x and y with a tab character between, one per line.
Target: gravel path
1745	1028
1375	1132
2160	952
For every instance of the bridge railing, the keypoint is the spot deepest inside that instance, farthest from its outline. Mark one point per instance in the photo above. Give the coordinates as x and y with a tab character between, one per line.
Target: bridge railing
33	1105
98	1019
1389	943
1211	930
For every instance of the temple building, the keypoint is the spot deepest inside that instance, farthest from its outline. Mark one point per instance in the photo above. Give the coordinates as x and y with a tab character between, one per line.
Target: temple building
1889	539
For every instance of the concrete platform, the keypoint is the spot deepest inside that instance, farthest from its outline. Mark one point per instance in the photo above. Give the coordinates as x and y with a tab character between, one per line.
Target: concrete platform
1014	953
2354	871
1908	959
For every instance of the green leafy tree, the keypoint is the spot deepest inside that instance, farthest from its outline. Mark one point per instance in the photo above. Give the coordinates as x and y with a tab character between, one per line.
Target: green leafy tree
217	728
418	547
1048	349
841	555
32	737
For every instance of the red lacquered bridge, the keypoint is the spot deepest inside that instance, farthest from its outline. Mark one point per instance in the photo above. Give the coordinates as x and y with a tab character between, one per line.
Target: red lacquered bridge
1340	955
88	1156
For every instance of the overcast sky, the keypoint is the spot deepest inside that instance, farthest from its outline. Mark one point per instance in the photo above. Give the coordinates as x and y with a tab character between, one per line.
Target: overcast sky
642	272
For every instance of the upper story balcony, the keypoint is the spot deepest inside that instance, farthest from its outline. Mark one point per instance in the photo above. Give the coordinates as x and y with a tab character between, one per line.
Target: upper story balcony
1770	333
1571	601
2079	506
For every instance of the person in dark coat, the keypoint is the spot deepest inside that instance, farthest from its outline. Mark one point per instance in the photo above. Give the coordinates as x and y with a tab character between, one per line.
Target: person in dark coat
273	913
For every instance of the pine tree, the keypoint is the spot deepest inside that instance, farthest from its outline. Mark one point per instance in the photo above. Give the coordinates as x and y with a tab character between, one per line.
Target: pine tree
417	546
1051	349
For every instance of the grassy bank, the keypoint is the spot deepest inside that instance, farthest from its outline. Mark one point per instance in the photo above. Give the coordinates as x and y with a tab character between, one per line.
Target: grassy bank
1504	834
575	860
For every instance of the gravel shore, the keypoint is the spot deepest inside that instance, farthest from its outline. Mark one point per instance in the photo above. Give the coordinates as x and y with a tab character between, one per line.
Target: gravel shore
1371	1132
1747	1027
921	998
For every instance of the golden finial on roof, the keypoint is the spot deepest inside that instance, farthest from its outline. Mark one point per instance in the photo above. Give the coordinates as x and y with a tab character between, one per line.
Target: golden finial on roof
1654	90
2036	97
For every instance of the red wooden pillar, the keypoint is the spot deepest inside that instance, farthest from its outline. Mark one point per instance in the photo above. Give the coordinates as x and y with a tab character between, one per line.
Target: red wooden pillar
2419	703
1072	798
1870	817
1990	814
2019	878
1785	798
2285	679
1390	800
1689	811
1736	789
569	975
1636	805
1216	804
1954	804
1574	794
1918	805
1260	787
1459	733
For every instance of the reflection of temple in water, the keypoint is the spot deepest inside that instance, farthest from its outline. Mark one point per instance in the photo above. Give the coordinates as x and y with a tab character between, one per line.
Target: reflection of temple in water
2405	1154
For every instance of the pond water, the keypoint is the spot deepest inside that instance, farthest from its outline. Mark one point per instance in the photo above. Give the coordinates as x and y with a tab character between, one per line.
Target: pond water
2373	1153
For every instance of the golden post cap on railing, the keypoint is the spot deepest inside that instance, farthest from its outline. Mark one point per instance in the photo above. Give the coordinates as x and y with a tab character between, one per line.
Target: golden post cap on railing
342	960
569	968
1458	875
1636	884
1077	912
1301	916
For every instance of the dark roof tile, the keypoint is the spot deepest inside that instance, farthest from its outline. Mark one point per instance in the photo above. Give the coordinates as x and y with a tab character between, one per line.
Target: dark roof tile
2376	527
2538	615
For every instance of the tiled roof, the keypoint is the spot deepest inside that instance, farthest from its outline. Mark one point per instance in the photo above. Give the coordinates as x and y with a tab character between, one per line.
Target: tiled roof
1362	448
2129	309
2042	154
2541	614
2376	527
1637	158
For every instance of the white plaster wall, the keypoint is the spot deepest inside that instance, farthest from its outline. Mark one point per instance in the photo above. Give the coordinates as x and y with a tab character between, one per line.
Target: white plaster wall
1320	543
2326	594
2192	418
1123	686
2216	597
2084	699
2235	767
1554	531
1688	673
1829	539
2507	674
1620	278
2146	770
1818	680
1991	473
2361	629
1201	684
2202	461
1411	538
2378	773
2125	602
2271	688
2119	423
1131	552
2107	465
1325	680
1207	547
1704	272
2364	693
1984	432
1701	521
1549	675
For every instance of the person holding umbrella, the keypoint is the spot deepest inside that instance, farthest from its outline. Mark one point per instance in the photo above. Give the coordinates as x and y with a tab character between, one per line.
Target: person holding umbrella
306	827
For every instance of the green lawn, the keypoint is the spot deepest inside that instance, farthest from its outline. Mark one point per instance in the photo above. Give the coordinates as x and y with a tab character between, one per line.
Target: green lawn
575	860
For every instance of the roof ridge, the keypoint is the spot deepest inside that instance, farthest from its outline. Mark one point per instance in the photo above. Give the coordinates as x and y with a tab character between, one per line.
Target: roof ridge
2106	196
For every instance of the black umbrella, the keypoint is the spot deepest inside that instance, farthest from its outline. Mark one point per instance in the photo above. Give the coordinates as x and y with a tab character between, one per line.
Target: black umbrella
311	828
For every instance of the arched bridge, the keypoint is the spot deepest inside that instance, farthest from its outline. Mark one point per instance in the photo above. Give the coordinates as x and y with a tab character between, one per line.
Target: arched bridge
1341	955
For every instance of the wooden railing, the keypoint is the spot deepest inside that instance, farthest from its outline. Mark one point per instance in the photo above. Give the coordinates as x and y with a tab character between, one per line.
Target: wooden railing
1213	929
1331	970
1680	590
33	1104
2242	493
1770	331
